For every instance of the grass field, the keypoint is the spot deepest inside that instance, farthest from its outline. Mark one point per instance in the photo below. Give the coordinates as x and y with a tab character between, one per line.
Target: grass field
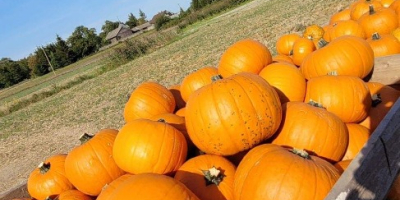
54	124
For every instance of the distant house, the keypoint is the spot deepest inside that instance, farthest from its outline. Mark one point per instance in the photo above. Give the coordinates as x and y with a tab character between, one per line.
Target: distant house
143	27
121	32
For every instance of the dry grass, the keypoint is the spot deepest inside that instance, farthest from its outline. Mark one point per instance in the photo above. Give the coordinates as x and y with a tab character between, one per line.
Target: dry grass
54	124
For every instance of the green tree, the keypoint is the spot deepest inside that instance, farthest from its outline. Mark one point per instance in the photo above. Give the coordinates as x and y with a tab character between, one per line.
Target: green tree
142	17
12	72
38	63
132	21
83	42
60	54
107	27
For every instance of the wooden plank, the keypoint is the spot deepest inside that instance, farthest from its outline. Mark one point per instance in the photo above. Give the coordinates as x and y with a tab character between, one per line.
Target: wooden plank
372	172
386	70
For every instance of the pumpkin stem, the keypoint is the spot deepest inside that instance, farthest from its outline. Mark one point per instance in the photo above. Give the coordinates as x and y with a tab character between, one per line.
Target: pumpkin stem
333	73
216	78
213	176
322	42
371	9
376	100
291	52
315	104
161	120
376	36
85	137
301	152
44	167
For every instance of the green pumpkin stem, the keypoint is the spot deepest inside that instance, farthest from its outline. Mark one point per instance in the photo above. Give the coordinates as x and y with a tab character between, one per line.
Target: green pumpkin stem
213	176
301	152
376	100
85	137
371	9
315	104
322	42
376	36
44	167
216	78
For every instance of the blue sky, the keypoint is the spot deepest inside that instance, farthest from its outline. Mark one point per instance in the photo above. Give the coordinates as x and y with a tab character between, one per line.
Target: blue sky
26	24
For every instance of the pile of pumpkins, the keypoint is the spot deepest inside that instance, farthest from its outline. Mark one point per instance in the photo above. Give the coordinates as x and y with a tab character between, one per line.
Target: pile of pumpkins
255	127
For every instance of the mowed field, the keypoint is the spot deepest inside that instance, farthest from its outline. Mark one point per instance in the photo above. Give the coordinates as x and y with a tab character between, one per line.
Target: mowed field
54	124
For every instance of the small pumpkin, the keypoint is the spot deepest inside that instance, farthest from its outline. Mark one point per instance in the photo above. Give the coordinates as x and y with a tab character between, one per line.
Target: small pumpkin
246	55
342	165
340	16
346	55
302	47
210	177
49	178
90	166
361	7
379	20
307	126
347	27
147	100
110	188
284	44
383	98
176	92
314	33
146	146
287	80
347	97
358	136
271	172
384	44
196	80
152	186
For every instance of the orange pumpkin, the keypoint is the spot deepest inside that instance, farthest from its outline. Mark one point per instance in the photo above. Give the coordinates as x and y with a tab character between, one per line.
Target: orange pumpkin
147	100
181	112
210	177
284	44
306	126
396	33
287	80
152	186
358	136
342	165
314	33
110	188
383	97
282	58
347	27
340	16
327	35
346	96
361	7
302	47
196	80
176	92
73	195
244	56
345	55
379	20
49	178
384	45
91	166
144	146
395	6
271	172
233	114
386	3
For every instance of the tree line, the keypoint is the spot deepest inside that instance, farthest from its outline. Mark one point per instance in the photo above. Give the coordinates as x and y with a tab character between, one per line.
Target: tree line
81	43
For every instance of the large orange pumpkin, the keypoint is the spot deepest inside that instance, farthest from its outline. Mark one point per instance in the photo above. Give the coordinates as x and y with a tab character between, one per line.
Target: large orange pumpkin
386	3
271	172
233	114
383	97
358	136
346	55
196	80
346	96
284	44
282	58
144	146
384	44
340	16
382	21
210	177
347	27
244	56
361	7
152	186
309	127
72	195
110	188
49	178
147	100
287	80
91	166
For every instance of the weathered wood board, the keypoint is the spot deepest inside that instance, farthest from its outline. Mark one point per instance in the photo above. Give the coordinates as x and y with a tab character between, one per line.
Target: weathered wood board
386	70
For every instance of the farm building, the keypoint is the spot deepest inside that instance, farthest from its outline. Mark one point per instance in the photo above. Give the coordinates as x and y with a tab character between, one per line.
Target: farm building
143	27
121	32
